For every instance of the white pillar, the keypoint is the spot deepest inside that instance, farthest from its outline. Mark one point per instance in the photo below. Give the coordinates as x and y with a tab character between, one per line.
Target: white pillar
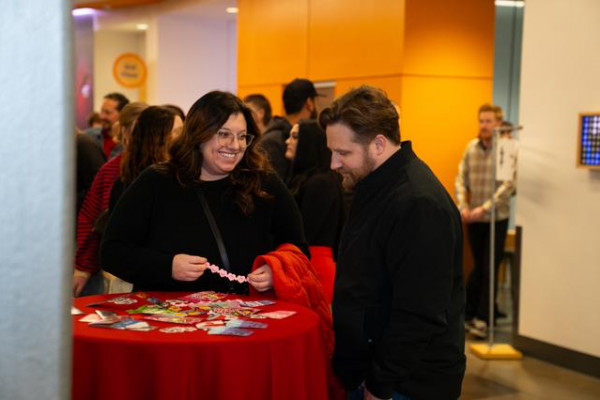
36	198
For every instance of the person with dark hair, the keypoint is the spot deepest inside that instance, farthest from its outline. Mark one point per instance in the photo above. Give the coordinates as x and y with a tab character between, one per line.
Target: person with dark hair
398	302
299	103
261	110
148	144
318	192
109	114
87	277
176	109
90	158
94	120
160	237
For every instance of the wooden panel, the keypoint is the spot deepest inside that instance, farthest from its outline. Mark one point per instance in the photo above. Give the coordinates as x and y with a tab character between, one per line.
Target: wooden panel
449	38
271	92
440	116
272	41
113	3
355	38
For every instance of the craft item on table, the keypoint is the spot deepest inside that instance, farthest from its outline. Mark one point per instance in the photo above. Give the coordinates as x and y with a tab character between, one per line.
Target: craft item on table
76	311
234	312
107	322
155	309
178	329
127	301
206	325
240	323
225	330
228	275
132	325
90	318
278	314
208	295
256	303
174	320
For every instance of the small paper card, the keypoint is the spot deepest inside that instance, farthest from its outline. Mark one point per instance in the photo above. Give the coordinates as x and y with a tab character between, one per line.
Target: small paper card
90	318
206	325
229	331
174	320
204	296
240	323
278	314
257	303
178	329
76	311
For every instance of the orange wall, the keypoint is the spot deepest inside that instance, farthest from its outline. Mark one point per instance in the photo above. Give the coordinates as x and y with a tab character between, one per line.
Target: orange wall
434	58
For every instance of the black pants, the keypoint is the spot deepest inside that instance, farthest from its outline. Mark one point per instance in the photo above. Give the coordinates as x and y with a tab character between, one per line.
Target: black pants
478	284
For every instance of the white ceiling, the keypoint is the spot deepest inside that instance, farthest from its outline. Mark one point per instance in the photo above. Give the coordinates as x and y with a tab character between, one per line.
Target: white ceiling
127	19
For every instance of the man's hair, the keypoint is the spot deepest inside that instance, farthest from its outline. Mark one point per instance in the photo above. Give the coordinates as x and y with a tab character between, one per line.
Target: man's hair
296	93
261	102
367	111
497	110
121	100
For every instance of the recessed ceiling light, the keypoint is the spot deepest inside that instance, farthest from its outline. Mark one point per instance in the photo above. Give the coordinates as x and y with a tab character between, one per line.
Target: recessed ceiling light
232	10
141	27
510	3
83	11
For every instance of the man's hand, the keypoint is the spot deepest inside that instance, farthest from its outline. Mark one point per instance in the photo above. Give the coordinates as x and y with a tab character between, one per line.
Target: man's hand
465	215
188	268
261	278
477	214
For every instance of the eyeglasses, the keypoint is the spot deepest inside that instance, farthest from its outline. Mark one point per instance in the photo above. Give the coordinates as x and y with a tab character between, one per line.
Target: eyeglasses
225	138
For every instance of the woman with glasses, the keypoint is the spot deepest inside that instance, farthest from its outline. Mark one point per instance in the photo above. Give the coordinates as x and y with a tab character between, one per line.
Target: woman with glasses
160	235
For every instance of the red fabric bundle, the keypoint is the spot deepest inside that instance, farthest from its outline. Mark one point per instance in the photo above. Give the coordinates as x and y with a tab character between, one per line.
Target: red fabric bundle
295	281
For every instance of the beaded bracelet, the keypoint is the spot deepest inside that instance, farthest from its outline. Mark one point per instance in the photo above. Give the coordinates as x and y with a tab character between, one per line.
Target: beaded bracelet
224	274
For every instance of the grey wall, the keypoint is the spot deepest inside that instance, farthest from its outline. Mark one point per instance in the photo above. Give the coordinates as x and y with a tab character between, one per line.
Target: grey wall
36	198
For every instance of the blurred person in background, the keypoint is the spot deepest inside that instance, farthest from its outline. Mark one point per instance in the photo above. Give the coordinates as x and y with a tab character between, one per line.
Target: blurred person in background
318	191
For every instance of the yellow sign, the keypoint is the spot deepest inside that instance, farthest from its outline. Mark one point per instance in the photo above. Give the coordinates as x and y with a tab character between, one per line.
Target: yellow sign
130	70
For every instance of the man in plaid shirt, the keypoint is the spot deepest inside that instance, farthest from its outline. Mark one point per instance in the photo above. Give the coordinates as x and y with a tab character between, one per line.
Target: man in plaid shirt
474	196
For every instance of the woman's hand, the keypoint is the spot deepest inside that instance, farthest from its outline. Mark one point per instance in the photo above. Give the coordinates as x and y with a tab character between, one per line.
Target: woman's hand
261	278
78	285
188	268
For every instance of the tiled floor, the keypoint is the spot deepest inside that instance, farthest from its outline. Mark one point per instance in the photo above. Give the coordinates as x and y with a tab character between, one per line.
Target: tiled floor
527	379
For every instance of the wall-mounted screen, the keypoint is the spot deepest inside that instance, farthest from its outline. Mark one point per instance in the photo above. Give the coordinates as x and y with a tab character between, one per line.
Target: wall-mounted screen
588	144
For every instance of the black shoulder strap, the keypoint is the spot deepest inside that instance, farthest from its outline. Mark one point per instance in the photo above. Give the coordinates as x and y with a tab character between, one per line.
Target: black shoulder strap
214	228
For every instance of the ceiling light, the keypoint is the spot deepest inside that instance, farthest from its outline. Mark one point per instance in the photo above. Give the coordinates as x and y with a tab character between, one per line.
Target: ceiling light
78	12
232	10
510	3
141	27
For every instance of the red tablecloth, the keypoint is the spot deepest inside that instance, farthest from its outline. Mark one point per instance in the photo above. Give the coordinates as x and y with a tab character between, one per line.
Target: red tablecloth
284	361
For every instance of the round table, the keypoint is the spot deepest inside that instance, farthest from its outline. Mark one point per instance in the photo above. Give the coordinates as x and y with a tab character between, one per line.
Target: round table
284	361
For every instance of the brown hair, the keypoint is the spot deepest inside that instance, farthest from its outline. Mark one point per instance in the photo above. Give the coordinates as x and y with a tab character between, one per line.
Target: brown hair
149	142
127	117
206	116
497	110
367	111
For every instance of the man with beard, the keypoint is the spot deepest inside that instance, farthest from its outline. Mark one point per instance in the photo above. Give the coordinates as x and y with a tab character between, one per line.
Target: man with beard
299	103
109	114
398	298
474	197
